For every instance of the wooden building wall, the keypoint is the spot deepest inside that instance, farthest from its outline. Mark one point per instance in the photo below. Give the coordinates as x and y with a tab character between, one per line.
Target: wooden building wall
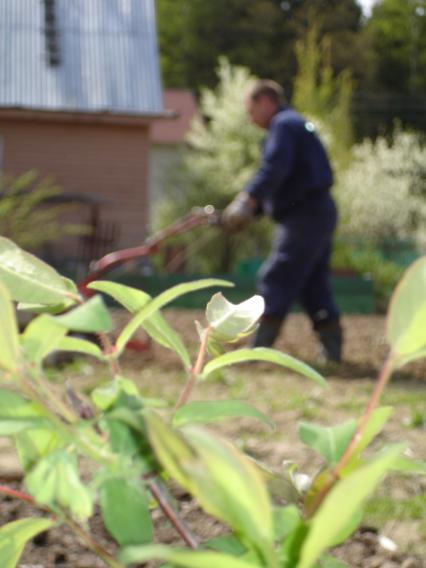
107	157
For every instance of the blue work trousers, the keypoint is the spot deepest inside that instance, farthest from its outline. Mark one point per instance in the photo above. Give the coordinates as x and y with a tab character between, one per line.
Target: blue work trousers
298	266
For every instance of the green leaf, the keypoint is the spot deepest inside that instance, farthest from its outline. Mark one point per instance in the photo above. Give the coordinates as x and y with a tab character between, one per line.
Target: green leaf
171	449
129	417
232	321
130	298
408	465
18	415
206	411
262	354
11	401
406	324
160	331
53	309
160	301
182	557
30	280
14	536
12	426
348	529
125	512
122	438
42	336
90	317
226	483
156	326
346	498
330	442
292	545
9	338
281	485
374	426
401	360
127	432
105	395
286	520
226	543
229	486
32	442
55	481
78	345
45	309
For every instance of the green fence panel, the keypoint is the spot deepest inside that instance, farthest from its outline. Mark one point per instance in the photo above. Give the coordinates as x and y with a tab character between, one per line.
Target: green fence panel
354	294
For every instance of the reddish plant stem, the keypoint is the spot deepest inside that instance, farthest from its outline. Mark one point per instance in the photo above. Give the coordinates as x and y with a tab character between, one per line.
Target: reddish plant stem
17	495
77	299
92	544
195	371
87	538
381	382
172	515
108	348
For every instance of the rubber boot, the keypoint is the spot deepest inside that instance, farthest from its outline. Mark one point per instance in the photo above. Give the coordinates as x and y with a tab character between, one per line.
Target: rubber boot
267	332
330	336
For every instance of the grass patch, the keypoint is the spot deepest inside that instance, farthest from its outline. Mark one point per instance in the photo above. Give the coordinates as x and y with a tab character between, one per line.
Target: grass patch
379	510
396	396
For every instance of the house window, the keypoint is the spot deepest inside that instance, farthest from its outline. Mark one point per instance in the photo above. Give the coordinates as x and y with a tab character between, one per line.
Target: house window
51	33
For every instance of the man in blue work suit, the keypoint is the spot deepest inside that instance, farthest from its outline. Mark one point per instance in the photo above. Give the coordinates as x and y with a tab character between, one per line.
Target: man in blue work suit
292	186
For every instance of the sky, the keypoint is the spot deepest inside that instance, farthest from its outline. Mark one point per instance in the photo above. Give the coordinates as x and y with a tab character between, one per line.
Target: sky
366	6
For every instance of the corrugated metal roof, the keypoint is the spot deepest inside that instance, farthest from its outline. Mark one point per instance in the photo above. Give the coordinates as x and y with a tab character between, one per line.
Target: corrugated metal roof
107	50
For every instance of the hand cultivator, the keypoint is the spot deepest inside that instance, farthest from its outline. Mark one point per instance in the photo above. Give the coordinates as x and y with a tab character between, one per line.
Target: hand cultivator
196	217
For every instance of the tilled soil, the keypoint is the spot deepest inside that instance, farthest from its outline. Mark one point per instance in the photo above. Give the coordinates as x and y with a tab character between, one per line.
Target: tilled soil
287	399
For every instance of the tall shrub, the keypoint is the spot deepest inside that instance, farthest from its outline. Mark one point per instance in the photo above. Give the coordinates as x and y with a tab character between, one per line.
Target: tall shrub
382	194
319	94
223	152
382	201
26	216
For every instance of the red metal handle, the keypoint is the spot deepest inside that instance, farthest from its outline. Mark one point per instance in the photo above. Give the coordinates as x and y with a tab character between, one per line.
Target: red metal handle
198	216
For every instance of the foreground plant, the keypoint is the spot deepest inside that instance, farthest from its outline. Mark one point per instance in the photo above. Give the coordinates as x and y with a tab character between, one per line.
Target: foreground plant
137	444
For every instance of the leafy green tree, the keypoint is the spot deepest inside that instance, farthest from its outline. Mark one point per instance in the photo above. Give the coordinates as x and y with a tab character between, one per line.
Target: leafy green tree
341	22
194	33
325	98
397	30
258	34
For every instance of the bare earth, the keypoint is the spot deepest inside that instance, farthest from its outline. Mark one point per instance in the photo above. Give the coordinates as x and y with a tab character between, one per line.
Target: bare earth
288	399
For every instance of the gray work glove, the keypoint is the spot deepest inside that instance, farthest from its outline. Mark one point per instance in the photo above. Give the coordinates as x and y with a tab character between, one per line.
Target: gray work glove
239	212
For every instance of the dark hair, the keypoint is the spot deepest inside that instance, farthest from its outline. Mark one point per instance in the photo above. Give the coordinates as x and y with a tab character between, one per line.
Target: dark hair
268	88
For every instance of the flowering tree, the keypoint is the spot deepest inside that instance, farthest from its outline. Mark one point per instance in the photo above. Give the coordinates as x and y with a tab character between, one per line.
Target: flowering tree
383	193
222	154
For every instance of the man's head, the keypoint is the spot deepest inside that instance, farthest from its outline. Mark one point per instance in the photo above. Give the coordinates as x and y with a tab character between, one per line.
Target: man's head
263	100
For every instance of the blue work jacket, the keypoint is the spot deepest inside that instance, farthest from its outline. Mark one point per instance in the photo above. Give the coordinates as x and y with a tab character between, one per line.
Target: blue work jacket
295	169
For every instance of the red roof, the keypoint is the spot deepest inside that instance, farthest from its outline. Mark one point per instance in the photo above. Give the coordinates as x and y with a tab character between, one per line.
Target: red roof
174	129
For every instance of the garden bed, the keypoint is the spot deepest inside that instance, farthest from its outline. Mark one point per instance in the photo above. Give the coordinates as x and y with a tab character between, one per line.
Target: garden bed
397	511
